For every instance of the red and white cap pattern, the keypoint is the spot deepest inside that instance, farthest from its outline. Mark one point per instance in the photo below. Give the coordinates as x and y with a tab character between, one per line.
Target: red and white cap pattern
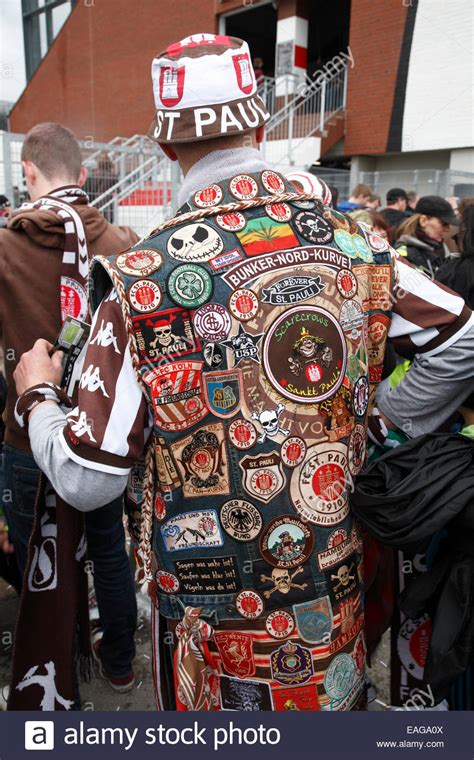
204	86
308	183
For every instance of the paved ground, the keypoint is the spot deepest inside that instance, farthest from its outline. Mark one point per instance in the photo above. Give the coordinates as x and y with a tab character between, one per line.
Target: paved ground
99	696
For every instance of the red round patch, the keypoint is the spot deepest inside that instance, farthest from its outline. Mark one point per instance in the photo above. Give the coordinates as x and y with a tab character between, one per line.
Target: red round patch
293	451
249	604
279	212
272	182
328	481
243	304
279	624
167	582
209	196
242	434
232	221
243	187
313	372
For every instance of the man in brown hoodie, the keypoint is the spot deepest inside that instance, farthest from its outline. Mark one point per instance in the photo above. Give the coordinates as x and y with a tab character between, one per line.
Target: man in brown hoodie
34	298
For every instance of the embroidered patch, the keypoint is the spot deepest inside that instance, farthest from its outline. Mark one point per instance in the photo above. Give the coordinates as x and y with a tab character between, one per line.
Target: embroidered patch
243	304
314	620
304	354
142	262
240	519
168	476
248	270
236	651
166	334
190	285
263	235
343	581
249	604
279	624
313	227
167	582
244	696
209	196
346	283
201	458
318	487
293	289
223	392
145	296
279	212
194	243
231	221
296	698
272	182
225	259
376	242
362	249
291	664
282	586
357	449
338	547
339	676
337	412
177	394
293	451
351	318
214	575
269	420
286	542
244	346
192	530
242	434
263	477
243	187
361	396
213	355
212	322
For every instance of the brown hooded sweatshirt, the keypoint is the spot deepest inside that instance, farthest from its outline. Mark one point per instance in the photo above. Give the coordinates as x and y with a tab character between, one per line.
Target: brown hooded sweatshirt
31	249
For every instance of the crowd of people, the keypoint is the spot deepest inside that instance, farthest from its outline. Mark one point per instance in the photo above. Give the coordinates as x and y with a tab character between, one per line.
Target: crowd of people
236	382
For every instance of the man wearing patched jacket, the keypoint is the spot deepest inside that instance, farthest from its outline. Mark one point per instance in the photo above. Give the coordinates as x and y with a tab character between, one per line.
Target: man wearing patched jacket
237	349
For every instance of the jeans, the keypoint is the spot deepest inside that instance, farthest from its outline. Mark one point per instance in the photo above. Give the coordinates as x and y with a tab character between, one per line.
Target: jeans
113	580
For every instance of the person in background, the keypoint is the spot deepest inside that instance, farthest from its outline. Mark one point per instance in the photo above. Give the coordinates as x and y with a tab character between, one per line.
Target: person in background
5	210
421	237
101	180
35	296
457	272
374	202
375	221
395	211
413	198
334	195
358	198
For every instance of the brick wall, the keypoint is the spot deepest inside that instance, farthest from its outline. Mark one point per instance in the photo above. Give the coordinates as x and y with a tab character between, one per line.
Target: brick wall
96	77
375	39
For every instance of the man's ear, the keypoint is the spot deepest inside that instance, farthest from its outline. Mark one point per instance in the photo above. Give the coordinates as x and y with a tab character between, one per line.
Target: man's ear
30	170
260	131
168	151
83	174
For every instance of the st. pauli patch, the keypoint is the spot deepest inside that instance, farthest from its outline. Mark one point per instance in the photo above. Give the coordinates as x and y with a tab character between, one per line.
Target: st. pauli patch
242	434
304	354
339	546
282	586
313	227
202	461
343	580
249	269
166	334
263	476
279	624
286	542
292	290
213	575
141	262
223	392
195	242
192	530
319	486
177	394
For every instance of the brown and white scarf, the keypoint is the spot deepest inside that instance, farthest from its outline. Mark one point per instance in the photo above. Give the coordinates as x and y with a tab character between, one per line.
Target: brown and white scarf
52	635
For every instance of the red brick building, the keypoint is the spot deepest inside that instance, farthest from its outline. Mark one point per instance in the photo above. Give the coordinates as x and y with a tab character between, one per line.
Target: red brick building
405	81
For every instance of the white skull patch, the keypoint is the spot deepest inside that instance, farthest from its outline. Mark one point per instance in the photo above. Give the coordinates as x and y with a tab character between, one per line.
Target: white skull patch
195	242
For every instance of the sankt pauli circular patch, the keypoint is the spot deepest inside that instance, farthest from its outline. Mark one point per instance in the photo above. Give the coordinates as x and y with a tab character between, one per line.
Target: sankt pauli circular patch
304	354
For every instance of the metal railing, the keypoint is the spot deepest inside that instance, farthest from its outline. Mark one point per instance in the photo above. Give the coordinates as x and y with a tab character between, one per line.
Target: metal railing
443	182
306	114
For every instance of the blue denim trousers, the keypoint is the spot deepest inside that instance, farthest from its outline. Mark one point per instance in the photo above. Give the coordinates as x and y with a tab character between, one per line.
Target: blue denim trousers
113	580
